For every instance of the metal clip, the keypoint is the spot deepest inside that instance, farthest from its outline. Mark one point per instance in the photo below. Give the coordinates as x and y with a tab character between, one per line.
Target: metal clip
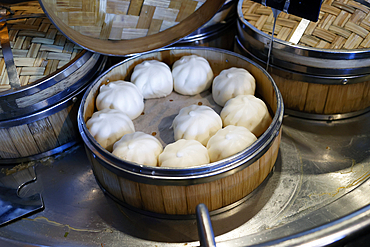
286	6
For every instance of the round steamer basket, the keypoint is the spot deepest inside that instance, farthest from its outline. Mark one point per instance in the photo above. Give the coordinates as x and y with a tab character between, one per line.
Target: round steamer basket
218	32
171	192
321	68
38	116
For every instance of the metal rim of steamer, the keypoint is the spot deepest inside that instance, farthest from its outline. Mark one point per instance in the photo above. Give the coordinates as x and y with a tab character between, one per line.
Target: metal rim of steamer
184	176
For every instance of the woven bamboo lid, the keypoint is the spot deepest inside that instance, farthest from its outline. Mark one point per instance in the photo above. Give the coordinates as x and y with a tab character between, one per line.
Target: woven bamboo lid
125	27
342	24
38	48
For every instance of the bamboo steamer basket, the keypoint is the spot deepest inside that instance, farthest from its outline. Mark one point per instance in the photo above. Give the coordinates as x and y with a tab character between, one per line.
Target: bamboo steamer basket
39	117
321	68
173	192
218	32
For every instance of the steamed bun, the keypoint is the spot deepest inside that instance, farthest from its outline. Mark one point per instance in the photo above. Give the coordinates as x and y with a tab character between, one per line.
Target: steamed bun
138	147
232	82
191	75
248	111
153	78
121	95
108	125
229	141
184	153
196	123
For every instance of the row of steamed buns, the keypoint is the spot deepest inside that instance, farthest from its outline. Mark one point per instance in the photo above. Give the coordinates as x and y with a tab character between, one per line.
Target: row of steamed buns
198	130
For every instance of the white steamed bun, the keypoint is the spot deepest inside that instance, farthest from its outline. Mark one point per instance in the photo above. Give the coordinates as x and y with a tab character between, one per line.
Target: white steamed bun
121	95
248	111
232	82
196	123
229	141
153	78
184	153
191	75
138	147
108	125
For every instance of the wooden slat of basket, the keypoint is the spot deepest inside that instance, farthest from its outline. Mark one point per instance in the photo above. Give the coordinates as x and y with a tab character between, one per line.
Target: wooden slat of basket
64	123
145	17
349	94
33	51
353	42
294	92
340	31
24	79
130	192
23	140
365	101
196	194
338	42
326	21
232	187
250	178
366	42
356	29
7	148
316	98
216	195
186	9
110	180
38	71
152	198
174	199
43	133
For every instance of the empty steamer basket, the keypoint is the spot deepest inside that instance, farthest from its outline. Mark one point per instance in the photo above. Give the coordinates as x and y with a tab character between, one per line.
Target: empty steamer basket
321	68
38	115
177	191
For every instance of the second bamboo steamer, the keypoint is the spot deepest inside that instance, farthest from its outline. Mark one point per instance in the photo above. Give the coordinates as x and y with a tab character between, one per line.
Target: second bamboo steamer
38	117
321	68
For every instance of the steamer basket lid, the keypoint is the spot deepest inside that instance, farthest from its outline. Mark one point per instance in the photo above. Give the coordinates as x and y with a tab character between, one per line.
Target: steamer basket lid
126	27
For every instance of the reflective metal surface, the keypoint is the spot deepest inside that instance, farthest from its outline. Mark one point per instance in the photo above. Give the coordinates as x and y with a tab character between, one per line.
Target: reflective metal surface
12	206
318	194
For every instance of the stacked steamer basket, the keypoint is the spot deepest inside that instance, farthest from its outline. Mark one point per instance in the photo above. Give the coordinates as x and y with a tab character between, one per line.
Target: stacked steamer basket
321	68
218	32
177	191
38	114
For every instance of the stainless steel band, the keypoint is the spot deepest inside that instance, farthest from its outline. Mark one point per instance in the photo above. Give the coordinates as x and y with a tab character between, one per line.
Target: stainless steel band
8	57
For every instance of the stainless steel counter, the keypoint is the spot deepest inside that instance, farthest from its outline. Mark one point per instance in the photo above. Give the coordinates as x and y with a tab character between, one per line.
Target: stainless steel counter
317	194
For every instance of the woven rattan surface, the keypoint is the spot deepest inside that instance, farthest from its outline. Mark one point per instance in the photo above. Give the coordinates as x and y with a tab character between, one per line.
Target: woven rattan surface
122	19
38	48
342	24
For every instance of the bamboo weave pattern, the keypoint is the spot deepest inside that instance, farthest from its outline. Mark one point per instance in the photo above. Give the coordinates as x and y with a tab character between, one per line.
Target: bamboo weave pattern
122	20
342	24
38	47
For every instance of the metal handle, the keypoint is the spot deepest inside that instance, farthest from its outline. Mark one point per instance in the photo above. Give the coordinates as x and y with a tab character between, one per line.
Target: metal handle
205	231
8	57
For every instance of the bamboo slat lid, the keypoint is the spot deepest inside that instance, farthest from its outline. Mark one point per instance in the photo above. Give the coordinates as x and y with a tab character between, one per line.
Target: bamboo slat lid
342	24
125	27
38	48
